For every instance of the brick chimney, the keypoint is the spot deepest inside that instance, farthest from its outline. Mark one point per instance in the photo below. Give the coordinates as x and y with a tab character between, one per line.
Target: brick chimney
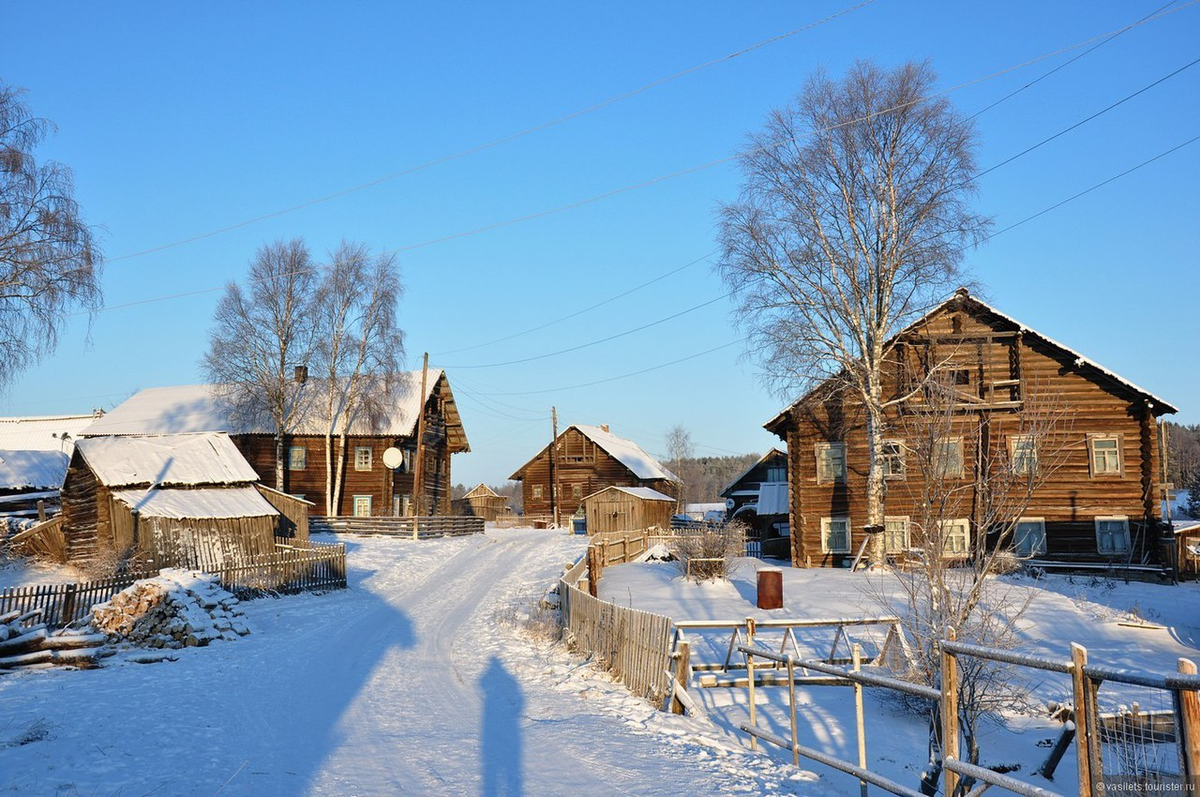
604	426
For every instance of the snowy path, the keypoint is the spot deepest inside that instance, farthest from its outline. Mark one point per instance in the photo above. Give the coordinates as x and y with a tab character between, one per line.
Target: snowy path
409	683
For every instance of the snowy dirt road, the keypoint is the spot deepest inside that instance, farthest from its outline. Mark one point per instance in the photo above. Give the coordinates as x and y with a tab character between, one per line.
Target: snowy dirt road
416	680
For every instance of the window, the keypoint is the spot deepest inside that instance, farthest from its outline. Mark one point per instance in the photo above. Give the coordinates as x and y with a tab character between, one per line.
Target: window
1105	454
835	535
777	474
956	537
362	457
297	458
1029	537
948	458
895	534
1023	453
1112	535
537	492
831	462
362	506
893	459
960	376
577	491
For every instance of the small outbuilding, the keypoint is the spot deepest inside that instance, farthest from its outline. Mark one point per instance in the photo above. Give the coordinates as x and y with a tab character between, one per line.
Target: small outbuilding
627	509
190	500
484	502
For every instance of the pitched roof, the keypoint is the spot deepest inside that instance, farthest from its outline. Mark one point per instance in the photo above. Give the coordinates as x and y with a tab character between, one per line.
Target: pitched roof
645	493
166	460
32	470
43	432
627	452
964	300
774	452
199	408
205	502
481	490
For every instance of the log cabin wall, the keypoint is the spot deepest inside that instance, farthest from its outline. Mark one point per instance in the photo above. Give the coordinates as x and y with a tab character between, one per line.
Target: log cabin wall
580	468
1011	373
79	512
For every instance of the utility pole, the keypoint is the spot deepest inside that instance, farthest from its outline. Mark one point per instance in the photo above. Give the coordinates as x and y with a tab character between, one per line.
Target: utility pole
553	476
418	501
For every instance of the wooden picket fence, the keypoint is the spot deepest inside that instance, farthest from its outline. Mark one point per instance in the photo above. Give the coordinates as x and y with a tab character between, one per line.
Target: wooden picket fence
63	604
420	527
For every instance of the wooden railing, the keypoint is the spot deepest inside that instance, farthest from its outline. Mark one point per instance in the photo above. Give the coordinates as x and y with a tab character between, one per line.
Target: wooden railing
420	527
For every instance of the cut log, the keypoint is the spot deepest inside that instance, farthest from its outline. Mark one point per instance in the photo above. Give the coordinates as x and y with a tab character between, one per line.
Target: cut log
72	641
28	641
37	657
8	617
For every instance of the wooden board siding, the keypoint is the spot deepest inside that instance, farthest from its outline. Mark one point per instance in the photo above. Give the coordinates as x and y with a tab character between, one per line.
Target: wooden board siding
1071	497
206	543
615	510
293	520
580	468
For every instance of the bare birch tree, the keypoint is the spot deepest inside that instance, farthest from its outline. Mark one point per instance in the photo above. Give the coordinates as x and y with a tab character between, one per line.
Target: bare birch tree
680	450
358	349
49	260
260	334
853	218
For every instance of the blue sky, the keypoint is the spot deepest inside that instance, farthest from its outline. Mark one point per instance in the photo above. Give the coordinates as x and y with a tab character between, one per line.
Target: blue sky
183	120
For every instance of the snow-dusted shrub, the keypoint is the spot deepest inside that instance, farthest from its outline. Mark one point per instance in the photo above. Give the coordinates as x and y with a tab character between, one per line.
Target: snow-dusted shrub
709	552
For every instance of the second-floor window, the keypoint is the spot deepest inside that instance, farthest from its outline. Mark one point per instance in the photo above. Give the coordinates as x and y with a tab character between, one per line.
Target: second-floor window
893	459
1105	453
831	462
777	473
577	491
948	458
297	458
537	492
362	458
1023	453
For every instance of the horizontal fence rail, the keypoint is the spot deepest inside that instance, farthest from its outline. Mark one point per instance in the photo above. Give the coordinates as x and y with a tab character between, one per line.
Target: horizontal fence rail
419	527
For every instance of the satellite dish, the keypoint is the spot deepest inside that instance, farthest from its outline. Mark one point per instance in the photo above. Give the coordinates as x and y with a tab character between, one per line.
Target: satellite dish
393	457
728	501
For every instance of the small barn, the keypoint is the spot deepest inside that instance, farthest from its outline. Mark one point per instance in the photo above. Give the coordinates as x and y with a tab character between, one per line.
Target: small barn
627	509
29	482
484	502
188	500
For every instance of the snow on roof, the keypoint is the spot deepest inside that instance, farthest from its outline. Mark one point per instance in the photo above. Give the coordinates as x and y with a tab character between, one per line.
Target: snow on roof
628	453
645	493
481	490
199	408
37	470
772	453
172	459
219	502
43	432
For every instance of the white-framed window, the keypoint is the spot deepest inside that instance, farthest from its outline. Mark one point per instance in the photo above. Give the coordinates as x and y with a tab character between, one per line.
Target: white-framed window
362	506
948	458
1112	535
895	534
297	458
1029	537
956	537
1104	454
537	492
577	491
1022	450
831	462
362	457
835	535
893	459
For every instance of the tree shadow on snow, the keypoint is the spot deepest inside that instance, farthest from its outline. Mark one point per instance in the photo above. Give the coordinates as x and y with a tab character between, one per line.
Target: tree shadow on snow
500	747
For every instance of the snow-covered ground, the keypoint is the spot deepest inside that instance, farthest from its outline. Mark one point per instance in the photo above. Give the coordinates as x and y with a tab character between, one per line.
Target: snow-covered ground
25	571
1063	609
419	679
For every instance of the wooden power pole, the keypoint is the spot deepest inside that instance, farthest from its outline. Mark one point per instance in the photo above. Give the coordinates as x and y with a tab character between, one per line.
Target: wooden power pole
418	501
553	476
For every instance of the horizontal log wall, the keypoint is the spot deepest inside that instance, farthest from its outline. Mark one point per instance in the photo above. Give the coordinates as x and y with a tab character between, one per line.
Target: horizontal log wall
434	526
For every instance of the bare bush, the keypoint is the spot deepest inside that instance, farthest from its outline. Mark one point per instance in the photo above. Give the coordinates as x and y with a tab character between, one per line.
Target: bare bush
709	552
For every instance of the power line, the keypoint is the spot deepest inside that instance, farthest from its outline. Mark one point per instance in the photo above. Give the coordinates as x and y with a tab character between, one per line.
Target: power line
499	141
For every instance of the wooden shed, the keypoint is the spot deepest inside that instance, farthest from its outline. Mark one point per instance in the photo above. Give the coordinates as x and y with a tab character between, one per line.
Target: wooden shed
484	502
190	500
627	509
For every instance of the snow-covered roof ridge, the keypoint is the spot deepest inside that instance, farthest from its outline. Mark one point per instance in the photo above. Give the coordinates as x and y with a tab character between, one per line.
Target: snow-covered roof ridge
183	460
204	502
32	470
43	432
645	493
628	453
771	453
199	408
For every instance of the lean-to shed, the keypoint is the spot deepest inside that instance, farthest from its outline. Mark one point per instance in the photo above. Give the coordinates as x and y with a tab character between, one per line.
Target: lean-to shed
627	509
190	500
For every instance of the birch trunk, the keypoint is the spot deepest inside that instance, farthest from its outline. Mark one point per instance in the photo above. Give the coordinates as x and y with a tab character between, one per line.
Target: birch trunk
876	552
341	468
279	461
330	494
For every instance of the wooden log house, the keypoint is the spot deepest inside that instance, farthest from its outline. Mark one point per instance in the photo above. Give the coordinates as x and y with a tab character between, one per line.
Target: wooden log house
368	486
627	509
759	496
585	460
1098	505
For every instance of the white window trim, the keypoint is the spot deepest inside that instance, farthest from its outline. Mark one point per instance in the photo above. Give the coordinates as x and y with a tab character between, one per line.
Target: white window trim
903	475
370	458
962	458
945	534
826	522
535	492
907	533
354	505
1128	538
820	448
1091	455
1040	521
1013	441
291	454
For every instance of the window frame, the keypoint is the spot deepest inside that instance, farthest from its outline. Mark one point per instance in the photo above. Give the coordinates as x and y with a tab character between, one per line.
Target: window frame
536	492
576	492
354	505
1015	440
1041	551
1119	439
898	456
358	466
1109	519
820	449
826	524
938	471
966	534
907	533
775	470
292	458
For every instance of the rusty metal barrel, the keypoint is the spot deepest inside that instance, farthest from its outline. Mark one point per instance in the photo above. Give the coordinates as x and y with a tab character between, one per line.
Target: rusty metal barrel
770	588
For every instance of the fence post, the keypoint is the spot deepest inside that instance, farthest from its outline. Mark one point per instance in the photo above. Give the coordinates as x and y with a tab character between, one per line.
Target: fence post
682	664
856	654
593	559
1189	709
750	685
791	671
69	601
949	714
1083	740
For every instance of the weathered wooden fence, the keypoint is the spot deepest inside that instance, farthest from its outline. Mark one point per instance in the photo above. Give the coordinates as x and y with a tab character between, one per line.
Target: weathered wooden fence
419	527
63	604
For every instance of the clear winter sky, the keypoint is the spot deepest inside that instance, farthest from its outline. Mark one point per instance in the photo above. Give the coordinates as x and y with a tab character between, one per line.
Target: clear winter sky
183	120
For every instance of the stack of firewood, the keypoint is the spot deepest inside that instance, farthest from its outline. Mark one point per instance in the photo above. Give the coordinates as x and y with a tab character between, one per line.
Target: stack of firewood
177	608
26	643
